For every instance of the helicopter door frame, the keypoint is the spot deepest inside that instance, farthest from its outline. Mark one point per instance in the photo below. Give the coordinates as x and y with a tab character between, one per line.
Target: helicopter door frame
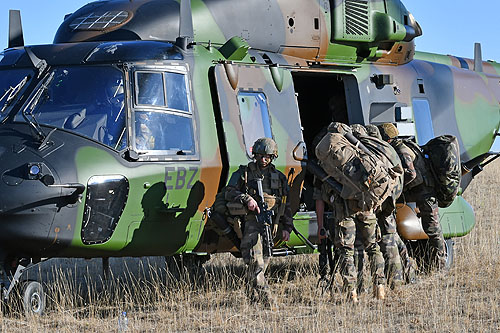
167	122
230	82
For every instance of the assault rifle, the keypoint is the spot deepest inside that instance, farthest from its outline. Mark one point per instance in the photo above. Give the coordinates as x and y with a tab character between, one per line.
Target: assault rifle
266	218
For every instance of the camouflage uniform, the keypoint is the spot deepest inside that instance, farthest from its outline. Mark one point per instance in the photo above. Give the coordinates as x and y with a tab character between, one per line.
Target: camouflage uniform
347	222
419	187
242	188
387	228
387	224
346	225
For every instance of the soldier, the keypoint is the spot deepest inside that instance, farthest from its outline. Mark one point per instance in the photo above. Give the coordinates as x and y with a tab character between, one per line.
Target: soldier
347	222
387	223
419	187
243	189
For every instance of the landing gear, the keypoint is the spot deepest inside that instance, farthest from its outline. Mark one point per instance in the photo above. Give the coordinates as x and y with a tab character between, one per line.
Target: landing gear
181	264
450	253
34	299
29	295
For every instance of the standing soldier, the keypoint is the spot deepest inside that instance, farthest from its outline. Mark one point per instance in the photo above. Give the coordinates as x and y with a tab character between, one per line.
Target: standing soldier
243	188
419	187
347	221
387	221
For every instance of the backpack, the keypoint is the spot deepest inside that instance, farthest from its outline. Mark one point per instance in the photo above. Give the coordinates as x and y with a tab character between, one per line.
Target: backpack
388	155
419	162
366	179
443	156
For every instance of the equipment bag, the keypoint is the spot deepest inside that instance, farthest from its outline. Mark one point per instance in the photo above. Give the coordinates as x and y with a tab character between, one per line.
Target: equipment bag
365	179
386	153
443	156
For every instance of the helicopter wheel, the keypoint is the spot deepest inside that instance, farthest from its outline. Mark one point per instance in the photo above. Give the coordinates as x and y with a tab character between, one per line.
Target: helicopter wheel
33	298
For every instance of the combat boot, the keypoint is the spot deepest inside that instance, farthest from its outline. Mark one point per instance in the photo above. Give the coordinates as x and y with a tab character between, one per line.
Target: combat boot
352	297
379	292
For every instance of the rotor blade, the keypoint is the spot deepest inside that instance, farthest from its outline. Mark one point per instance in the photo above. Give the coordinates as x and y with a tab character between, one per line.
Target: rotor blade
186	20
478	58
16	38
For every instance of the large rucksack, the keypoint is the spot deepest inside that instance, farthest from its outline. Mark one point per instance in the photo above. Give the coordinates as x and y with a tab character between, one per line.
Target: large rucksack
365	179
386	153
443	155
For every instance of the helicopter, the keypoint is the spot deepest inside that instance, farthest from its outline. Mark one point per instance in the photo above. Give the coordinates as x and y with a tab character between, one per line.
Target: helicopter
118	135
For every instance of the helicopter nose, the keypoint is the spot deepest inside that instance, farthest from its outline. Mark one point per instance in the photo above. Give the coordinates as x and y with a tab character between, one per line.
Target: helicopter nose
27	203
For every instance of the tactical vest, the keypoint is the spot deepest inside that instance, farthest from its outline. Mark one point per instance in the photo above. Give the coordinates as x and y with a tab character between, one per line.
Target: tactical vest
272	184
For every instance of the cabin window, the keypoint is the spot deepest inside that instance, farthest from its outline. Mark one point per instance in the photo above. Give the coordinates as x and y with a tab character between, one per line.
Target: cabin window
254	116
423	120
163	123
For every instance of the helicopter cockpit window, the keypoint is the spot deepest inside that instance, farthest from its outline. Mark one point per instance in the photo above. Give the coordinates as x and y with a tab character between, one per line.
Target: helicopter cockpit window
162	119
167	132
86	100
150	89
162	89
254	116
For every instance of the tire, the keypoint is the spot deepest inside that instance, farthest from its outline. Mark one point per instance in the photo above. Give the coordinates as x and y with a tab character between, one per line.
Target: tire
34	298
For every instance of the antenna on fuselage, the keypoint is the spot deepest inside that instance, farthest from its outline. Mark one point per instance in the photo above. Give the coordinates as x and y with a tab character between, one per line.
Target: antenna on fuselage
478	58
16	38
186	31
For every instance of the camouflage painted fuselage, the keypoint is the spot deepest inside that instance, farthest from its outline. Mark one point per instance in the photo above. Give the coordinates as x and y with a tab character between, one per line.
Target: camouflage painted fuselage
242	75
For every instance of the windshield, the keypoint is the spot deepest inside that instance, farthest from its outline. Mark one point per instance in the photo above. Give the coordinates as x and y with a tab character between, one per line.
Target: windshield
85	100
11	83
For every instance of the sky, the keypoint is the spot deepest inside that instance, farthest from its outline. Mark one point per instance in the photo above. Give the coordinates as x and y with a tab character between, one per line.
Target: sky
449	26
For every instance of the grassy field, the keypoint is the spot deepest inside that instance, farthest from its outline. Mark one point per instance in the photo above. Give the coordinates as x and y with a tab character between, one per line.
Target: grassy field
467	298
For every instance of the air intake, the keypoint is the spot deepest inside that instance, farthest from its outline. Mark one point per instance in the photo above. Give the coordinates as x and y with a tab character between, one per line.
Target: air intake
356	18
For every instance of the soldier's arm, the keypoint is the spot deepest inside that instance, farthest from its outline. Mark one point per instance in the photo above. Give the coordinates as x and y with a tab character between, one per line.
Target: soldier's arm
235	189
410	172
287	219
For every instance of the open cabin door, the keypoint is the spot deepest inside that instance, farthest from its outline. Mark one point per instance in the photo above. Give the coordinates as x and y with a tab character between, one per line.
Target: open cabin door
254	102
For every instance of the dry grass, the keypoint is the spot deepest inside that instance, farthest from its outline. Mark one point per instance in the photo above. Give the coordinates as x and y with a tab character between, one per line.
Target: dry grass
465	299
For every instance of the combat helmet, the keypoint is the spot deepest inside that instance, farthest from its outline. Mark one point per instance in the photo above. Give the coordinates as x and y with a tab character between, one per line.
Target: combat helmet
337	127
265	146
388	131
358	130
373	131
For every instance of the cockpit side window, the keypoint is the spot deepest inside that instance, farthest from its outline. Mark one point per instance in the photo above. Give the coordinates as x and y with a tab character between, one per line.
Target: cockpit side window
149	88
163	122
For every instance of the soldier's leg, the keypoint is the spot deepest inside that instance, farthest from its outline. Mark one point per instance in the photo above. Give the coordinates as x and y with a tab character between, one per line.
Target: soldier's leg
409	269
345	233
359	260
389	249
428	206
252	254
367	222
